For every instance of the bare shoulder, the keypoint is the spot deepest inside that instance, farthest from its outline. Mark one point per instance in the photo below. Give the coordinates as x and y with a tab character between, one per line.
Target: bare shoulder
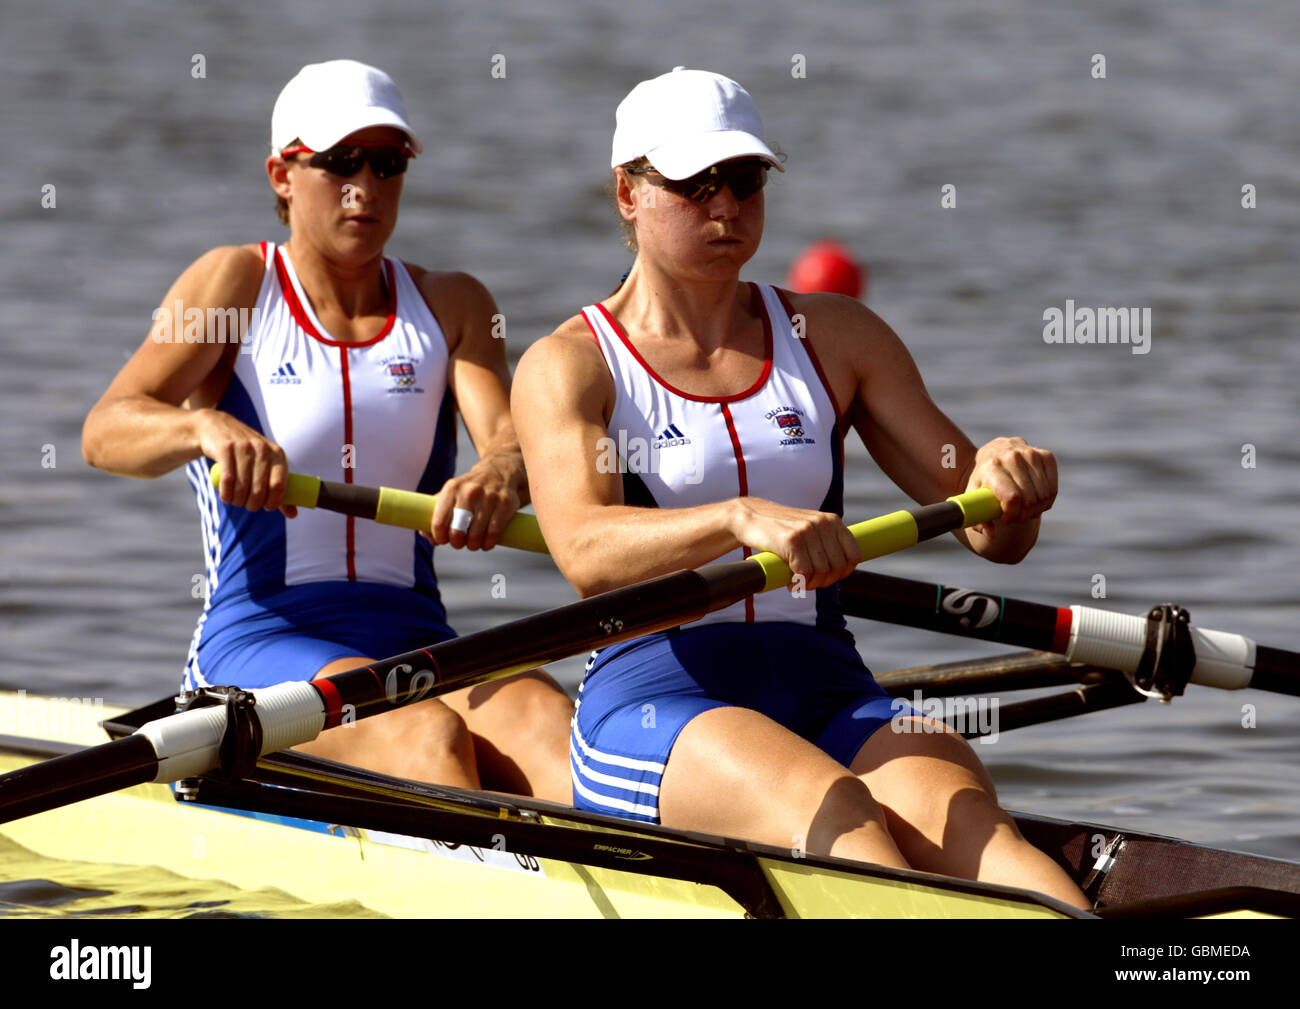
566	363
570	347
835	318
460	302
227	276
855	347
451	290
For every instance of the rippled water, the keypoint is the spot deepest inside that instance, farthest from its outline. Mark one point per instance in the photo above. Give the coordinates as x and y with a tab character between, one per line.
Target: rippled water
1123	191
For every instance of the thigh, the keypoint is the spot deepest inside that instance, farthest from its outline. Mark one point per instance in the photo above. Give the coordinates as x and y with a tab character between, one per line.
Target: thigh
736	772
498	706
520	726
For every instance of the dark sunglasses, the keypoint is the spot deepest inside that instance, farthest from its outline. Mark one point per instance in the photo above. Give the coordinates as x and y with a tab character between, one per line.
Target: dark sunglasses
743	178
345	160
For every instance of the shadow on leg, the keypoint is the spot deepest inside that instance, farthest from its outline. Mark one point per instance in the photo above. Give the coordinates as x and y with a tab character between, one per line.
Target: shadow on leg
736	772
942	809
520	728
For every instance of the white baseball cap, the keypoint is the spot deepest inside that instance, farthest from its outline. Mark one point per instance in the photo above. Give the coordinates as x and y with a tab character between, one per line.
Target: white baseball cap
327	101
687	120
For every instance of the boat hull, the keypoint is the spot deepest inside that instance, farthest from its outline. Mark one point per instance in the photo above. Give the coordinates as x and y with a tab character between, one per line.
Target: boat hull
407	850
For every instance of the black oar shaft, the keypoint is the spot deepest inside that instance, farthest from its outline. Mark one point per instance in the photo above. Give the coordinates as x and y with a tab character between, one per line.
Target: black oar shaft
949	610
1276	669
76	776
523	644
992	617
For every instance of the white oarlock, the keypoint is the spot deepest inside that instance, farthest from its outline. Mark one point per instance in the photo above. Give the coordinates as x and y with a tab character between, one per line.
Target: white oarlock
190	743
1117	640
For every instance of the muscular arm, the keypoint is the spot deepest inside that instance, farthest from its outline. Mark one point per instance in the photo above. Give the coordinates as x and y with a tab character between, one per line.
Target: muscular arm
914	442
562	397
479	379
139	427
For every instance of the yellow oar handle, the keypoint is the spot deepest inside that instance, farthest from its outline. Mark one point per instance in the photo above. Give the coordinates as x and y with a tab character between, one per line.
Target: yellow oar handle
412	510
404	508
899	530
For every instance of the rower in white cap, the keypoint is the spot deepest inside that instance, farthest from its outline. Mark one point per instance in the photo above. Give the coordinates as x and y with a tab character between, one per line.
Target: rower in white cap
759	720
353	366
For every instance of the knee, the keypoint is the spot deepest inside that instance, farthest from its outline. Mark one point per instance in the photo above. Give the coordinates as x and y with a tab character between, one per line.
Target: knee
539	709
841	806
435	728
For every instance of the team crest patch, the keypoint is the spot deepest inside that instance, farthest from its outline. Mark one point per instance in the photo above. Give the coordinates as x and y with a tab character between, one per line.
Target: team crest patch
789	425
400	373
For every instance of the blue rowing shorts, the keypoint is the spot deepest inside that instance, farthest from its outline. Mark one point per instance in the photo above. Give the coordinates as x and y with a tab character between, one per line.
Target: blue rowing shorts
639	695
291	634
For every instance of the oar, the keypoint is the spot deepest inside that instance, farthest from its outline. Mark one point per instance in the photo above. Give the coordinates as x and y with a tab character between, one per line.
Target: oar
405	508
1086	634
191	743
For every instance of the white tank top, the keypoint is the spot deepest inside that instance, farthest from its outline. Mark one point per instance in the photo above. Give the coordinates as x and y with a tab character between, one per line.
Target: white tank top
376	413
779	439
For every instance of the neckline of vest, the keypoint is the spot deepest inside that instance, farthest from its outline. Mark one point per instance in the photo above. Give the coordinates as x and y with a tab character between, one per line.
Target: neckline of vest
302	312
735	397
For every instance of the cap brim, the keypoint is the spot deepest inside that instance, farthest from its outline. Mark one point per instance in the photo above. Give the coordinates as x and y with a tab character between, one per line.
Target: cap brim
326	136
682	159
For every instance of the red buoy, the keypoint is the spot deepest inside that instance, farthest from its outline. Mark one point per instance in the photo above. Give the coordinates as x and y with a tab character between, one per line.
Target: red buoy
827	266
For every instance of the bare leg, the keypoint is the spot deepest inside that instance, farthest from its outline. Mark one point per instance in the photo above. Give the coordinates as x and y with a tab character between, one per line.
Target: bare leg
942	809
776	787
520	727
425	742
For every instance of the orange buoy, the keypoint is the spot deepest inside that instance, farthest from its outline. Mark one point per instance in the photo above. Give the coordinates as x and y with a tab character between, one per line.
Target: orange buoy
827	266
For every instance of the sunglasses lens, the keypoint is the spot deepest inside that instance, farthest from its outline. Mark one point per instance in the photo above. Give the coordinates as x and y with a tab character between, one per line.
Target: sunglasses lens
345	162
746	180
743	179
341	161
387	161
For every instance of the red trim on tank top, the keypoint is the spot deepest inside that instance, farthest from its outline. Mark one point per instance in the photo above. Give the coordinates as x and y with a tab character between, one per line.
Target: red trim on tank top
812	356
301	317
742	479
734	397
596	339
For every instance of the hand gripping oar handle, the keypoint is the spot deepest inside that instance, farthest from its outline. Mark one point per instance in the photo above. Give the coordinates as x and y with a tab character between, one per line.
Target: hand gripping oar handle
899	530
188	744
412	510
390	506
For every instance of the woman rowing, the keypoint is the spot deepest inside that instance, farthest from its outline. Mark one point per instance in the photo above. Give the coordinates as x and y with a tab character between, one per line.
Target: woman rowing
352	368
760	720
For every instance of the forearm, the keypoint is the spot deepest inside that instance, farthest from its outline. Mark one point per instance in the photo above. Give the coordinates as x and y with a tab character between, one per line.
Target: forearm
1009	544
503	457
609	546
140	436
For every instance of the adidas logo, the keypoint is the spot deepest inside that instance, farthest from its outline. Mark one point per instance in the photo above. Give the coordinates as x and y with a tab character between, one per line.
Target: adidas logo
285	375
670	437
